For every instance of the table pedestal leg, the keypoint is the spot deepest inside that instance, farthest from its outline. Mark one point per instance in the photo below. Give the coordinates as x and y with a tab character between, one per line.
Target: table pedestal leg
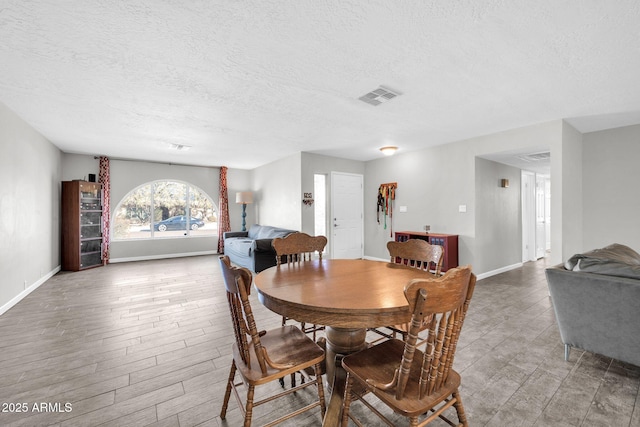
340	342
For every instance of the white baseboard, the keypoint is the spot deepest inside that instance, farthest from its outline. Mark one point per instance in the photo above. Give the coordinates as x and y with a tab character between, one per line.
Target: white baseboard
162	256
370	258
13	301
498	271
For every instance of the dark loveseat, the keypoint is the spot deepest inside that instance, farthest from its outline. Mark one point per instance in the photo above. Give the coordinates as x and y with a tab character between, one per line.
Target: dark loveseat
252	249
596	296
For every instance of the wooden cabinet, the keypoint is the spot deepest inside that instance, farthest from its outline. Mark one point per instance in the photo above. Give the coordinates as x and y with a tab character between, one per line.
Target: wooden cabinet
81	225
448	241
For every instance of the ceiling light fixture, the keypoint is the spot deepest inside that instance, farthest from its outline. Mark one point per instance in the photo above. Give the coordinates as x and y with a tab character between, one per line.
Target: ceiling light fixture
389	150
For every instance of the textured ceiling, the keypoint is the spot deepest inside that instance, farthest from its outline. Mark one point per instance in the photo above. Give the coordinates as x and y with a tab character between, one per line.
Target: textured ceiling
248	82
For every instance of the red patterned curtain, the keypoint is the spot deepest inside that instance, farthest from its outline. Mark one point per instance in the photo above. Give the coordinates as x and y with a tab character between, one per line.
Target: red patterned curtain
223	210
105	180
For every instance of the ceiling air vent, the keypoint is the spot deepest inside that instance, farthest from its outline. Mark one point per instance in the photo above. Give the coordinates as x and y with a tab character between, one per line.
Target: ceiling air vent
536	157
378	96
180	147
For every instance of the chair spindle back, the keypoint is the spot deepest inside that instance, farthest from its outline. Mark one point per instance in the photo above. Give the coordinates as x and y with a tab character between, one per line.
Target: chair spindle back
237	281
442	304
298	247
417	253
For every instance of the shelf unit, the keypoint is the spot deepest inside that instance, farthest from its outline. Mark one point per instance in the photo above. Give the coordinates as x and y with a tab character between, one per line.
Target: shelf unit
448	241
81	225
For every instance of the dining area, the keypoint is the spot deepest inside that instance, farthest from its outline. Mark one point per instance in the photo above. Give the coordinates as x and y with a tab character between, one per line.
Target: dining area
152	345
387	329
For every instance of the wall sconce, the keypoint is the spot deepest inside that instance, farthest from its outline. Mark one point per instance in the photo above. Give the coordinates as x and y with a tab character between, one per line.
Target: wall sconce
389	150
504	183
244	198
308	199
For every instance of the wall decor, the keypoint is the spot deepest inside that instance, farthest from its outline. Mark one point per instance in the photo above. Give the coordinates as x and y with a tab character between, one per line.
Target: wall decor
386	196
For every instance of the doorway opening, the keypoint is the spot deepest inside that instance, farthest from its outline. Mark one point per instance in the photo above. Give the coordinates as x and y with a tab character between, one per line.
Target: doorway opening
536	215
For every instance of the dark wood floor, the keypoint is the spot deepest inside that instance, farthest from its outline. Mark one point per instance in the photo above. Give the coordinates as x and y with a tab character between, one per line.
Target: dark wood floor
148	343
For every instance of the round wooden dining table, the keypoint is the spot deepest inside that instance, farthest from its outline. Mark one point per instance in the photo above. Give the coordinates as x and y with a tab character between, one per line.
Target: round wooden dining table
347	296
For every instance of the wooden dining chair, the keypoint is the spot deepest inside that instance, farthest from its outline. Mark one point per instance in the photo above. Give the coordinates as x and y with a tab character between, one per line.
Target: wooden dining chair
414	253
417	380
264	356
417	253
298	248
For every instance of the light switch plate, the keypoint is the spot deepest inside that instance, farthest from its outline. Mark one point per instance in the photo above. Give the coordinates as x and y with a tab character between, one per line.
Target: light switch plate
462	208
403	208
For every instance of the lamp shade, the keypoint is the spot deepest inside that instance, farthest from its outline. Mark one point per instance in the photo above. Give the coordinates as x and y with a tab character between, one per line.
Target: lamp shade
244	197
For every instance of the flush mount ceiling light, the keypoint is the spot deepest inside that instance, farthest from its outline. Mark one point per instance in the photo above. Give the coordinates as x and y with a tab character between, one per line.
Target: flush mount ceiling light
389	150
378	96
179	147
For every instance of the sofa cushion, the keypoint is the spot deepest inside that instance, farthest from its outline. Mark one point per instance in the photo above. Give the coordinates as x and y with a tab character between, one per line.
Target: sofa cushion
613	260
257	232
240	246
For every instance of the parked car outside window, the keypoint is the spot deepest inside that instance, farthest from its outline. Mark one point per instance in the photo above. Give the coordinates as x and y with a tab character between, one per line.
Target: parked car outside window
178	223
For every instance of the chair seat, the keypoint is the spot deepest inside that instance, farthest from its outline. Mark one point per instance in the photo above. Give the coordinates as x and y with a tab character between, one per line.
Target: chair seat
378	363
286	345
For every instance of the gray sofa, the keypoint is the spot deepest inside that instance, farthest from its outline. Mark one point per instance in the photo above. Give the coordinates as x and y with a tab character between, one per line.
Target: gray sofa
596	298
252	249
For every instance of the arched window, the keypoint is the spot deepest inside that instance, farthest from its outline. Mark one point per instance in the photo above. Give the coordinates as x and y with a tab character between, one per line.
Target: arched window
162	209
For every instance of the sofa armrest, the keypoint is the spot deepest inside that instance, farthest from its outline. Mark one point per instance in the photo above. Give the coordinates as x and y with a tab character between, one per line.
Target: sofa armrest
596	312
229	234
263	245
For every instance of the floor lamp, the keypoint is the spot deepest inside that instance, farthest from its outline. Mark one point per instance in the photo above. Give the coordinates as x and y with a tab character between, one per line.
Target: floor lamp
244	198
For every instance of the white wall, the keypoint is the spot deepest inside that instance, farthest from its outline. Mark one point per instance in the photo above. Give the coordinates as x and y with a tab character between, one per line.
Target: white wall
79	166
278	193
611	202
432	183
30	172
498	216
279	186
318	164
594	195
127	175
239	180
566	226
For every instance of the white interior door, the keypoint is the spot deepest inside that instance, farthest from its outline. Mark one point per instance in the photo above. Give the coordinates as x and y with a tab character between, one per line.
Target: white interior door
347	212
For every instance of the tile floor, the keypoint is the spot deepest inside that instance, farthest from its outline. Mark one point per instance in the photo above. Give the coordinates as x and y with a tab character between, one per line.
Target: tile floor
148	344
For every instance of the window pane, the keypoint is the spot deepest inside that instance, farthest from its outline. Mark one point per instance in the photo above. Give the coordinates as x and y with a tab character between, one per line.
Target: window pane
169	209
133	216
204	218
167	201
